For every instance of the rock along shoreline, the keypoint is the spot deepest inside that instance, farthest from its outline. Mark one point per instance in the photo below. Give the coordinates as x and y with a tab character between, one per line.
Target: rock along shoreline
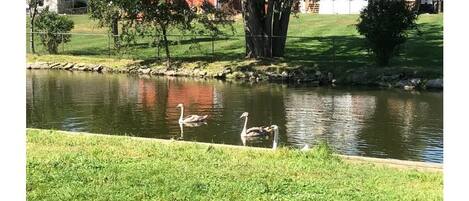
292	75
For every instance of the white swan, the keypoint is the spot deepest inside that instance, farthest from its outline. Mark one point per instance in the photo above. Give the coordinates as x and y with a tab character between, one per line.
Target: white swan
190	118
254	131
275	143
244	139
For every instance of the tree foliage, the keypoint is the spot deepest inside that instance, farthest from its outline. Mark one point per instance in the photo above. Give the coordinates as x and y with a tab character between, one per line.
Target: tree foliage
108	14
385	25
53	27
157	18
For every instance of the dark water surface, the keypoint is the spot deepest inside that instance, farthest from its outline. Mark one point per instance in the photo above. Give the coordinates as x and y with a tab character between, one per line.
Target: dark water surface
368	122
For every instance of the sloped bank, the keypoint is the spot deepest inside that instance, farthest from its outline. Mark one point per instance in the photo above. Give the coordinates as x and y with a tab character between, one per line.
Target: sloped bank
83	166
253	73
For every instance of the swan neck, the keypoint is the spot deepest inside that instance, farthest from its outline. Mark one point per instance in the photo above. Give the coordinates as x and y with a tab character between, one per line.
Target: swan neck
182	114
275	143
182	130
245	125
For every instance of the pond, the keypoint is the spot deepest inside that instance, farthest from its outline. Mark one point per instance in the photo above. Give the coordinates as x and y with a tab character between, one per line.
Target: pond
382	123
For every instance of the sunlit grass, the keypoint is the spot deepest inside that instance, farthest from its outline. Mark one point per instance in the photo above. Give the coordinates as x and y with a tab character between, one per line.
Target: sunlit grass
82	167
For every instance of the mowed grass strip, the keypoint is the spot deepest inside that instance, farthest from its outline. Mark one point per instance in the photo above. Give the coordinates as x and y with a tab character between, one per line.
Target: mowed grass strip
65	166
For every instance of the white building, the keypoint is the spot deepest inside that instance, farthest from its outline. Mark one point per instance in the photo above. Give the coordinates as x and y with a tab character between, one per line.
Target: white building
341	6
65	6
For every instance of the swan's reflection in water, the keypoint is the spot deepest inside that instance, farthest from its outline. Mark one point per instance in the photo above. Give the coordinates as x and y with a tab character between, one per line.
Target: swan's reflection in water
337	119
190	125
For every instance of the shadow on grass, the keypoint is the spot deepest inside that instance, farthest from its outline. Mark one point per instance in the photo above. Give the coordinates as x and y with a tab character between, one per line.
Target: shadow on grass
333	53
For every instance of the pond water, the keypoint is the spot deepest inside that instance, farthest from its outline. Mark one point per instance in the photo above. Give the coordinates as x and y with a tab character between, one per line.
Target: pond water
380	123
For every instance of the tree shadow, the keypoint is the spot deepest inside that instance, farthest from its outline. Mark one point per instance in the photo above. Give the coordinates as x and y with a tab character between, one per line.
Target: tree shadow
422	52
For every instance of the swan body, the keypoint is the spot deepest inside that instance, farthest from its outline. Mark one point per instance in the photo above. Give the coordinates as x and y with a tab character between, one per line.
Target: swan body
190	118
262	131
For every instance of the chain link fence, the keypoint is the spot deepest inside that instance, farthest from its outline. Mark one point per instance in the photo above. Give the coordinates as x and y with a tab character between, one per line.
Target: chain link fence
328	50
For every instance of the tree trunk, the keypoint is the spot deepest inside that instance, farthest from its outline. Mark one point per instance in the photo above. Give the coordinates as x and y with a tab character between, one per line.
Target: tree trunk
417	5
280	27
266	27
255	33
115	30
32	15
166	46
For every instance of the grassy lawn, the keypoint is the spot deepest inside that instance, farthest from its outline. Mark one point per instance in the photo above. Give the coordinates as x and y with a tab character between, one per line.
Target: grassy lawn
335	45
64	166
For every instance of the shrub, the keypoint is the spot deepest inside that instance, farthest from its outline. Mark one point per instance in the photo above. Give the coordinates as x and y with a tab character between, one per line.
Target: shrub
385	24
53	26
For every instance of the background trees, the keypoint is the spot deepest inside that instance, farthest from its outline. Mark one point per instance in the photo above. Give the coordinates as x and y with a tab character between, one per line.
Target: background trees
158	18
108	15
385	25
54	26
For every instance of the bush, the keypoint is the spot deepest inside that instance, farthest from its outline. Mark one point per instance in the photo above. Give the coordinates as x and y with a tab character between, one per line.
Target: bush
385	24
53	25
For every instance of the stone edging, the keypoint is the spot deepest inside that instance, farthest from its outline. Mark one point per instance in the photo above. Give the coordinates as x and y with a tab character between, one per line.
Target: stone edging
296	75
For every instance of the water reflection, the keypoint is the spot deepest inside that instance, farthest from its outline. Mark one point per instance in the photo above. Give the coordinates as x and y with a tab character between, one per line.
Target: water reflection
334	117
380	123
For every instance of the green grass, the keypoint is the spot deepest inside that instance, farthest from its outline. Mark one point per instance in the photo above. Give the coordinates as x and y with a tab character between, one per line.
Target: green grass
332	35
64	166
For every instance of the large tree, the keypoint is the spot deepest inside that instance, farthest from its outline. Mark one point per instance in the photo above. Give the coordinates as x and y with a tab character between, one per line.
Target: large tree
33	11
266	26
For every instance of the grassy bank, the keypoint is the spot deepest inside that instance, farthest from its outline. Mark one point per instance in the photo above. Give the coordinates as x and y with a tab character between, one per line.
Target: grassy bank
82	167
335	47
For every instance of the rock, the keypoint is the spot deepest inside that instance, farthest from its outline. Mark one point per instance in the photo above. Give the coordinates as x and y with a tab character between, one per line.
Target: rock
202	73
409	87
384	84
82	68
54	65
170	73
68	66
284	74
39	65
434	84
360	78
75	68
390	78
415	81
235	75
144	71
227	70
98	68
402	83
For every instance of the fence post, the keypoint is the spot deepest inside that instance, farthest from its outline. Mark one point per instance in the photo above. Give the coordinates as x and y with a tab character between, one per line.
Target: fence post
213	46
109	44
63	44
333	51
